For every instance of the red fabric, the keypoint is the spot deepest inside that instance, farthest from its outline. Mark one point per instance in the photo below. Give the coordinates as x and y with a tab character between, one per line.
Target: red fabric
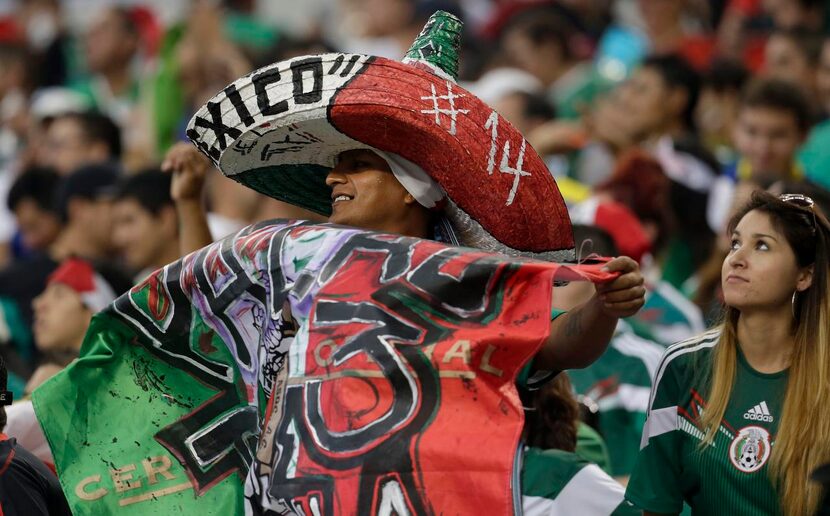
477	171
624	228
75	273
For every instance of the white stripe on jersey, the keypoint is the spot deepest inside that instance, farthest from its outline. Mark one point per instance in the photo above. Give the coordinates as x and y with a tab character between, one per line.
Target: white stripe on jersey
647	351
591	491
659	422
705	340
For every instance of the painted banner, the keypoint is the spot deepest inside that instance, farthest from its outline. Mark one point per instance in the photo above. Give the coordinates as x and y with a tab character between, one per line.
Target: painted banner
304	369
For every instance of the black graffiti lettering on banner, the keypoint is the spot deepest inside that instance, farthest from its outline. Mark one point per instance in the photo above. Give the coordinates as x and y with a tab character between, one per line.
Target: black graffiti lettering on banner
376	343
314	65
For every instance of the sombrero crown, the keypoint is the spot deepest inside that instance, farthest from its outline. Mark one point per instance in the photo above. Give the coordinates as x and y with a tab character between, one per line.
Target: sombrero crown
280	129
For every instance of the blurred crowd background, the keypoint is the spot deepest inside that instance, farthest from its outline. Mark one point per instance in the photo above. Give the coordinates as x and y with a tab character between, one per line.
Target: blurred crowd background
656	117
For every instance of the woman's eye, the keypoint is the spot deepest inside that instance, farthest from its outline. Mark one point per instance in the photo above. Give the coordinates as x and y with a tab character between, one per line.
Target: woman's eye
734	245
762	246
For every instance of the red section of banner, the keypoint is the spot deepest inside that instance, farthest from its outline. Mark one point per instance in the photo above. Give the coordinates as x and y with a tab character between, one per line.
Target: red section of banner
451	408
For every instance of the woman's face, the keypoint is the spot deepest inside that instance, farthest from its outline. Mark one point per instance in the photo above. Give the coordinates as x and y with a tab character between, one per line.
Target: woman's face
761	272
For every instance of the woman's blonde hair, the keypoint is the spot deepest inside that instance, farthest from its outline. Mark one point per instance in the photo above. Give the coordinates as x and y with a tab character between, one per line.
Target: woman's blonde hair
803	440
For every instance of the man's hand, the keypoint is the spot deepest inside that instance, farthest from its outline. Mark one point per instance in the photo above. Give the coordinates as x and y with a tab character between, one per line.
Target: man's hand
189	168
624	296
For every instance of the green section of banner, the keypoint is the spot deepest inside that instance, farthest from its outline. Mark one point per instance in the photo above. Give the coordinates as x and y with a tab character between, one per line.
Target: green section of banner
100	415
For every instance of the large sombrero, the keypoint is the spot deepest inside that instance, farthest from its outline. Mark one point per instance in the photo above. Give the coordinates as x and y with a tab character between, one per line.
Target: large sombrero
279	130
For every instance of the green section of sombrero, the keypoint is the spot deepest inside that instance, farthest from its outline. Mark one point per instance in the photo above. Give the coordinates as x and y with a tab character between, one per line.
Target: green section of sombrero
438	43
300	185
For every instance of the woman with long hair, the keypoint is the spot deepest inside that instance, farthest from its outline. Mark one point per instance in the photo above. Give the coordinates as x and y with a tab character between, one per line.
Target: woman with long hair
739	417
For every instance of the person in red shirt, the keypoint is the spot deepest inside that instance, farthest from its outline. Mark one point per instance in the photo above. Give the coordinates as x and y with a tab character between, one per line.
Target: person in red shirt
27	486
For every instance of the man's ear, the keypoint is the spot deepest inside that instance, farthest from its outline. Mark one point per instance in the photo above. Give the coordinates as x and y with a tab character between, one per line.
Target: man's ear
409	199
75	208
805	279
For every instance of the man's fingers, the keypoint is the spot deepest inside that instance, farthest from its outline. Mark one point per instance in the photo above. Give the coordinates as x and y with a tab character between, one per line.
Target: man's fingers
625	281
621	264
626	308
629	294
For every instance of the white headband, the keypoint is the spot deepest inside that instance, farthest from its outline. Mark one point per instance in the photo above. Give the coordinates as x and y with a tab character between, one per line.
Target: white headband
414	179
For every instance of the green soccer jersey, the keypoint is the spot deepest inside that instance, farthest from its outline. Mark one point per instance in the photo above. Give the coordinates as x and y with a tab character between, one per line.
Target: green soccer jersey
619	382
729	477
560	483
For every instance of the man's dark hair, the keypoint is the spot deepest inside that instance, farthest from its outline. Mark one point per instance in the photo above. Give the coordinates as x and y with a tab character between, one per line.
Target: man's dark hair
90	182
149	188
780	96
98	127
4	381
726	75
38	184
676	72
808	42
547	22
537	106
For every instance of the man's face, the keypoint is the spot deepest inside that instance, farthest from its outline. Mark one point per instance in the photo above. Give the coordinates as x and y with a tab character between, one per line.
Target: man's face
365	193
645	98
768	139
95	216
784	61
39	228
65	148
823	77
140	237
107	44
60	318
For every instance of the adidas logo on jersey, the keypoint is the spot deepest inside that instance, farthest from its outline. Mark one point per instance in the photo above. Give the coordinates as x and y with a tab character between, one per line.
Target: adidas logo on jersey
759	412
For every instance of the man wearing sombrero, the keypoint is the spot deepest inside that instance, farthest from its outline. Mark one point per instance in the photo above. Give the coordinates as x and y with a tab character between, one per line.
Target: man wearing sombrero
401	148
344	371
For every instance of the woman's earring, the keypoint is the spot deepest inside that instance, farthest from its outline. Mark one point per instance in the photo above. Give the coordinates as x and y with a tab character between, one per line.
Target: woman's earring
793	304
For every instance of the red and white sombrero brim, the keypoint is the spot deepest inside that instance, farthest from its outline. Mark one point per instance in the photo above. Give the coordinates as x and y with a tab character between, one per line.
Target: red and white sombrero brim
279	129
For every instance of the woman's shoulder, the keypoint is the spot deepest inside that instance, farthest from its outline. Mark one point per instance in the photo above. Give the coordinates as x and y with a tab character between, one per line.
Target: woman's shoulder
688	356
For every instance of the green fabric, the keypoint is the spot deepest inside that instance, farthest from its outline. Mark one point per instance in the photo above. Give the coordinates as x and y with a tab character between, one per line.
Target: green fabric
13	329
250	32
673	468
591	447
611	382
815	154
168	98
276	181
438	43
546	473
89	458
678	264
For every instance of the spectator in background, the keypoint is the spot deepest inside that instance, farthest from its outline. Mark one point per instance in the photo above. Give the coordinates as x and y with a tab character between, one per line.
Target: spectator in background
145	223
77	139
717	108
32	201
774	118
538	38
814	155
83	205
794	56
555	478
110	46
74	292
618	383
27	487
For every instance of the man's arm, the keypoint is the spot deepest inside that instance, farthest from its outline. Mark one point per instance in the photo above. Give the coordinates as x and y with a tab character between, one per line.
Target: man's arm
189	169
580	336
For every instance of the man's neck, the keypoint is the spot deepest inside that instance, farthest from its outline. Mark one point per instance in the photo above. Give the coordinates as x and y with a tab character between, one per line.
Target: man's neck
118	80
766	339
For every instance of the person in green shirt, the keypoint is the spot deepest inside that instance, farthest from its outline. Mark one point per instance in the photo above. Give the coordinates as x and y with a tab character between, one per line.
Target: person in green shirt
556	479
736	422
